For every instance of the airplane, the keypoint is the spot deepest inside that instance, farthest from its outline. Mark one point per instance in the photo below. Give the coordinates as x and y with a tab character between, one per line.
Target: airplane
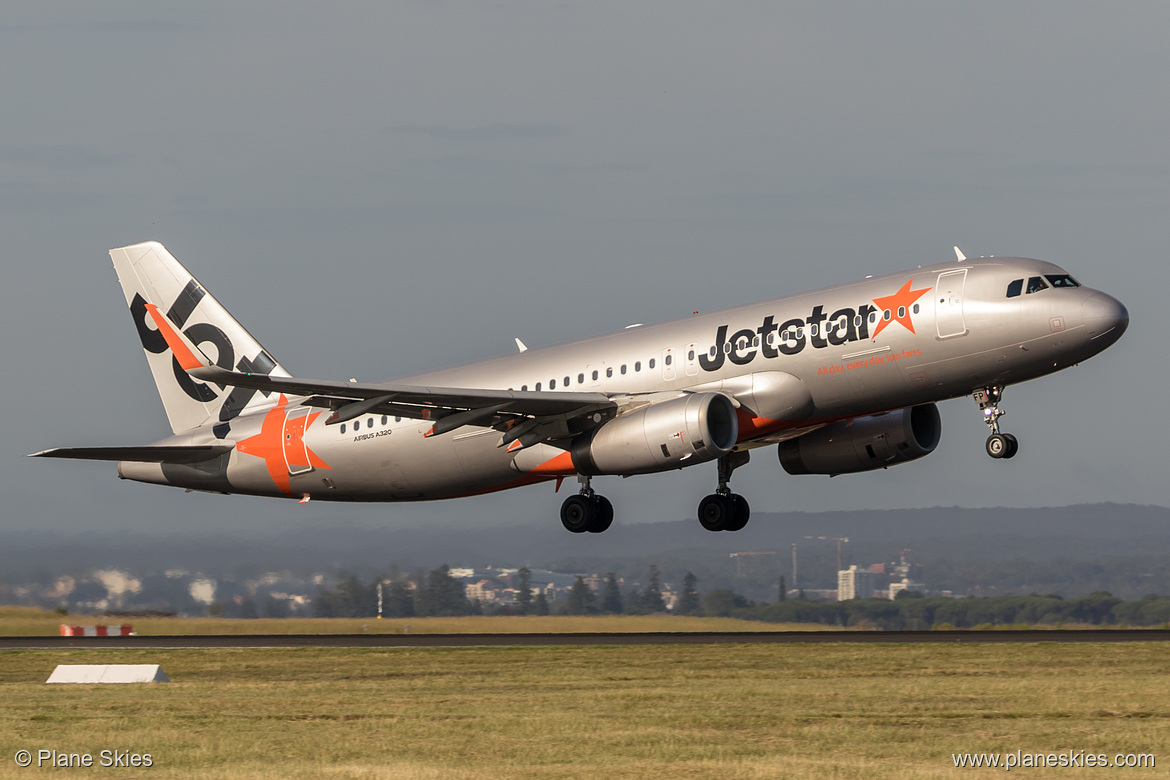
840	380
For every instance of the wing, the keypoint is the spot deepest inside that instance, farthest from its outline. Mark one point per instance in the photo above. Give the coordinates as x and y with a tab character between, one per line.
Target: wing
523	416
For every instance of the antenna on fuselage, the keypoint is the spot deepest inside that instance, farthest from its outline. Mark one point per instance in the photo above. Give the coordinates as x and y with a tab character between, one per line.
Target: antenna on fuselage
521	345
959	254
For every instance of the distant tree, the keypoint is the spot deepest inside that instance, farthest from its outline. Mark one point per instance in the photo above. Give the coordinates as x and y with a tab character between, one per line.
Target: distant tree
275	608
397	600
248	609
524	592
782	595
443	596
581	599
215	609
611	597
721	602
688	601
540	604
652	598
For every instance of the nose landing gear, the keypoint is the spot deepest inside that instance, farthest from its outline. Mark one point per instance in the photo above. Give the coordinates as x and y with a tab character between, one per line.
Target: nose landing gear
586	511
724	510
999	445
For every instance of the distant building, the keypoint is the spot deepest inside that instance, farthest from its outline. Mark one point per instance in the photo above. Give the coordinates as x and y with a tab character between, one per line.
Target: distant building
854	583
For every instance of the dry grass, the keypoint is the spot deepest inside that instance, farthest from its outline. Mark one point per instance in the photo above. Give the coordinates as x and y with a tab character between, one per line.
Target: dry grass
739	711
21	621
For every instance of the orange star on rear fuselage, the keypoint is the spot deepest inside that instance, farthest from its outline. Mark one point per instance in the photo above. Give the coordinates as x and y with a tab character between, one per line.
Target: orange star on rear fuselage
898	305
271	444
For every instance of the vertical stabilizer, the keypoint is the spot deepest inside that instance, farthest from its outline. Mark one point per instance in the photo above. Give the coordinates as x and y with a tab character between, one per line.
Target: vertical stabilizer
149	274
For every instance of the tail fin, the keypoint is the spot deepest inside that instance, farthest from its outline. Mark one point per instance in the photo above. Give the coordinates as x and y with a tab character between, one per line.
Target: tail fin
149	274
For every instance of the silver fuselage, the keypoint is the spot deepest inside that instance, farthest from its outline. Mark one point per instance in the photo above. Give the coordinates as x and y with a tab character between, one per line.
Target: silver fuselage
841	358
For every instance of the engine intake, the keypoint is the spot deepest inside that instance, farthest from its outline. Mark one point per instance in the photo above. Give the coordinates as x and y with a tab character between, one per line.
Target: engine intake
865	443
671	434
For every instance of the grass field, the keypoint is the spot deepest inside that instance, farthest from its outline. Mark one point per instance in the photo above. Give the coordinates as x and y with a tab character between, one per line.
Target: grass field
29	621
731	711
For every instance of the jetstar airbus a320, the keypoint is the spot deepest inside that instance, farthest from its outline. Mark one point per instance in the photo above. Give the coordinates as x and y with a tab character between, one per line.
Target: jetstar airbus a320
840	380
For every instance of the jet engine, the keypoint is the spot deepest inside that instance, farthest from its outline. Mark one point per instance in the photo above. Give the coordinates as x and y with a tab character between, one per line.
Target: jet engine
670	434
865	443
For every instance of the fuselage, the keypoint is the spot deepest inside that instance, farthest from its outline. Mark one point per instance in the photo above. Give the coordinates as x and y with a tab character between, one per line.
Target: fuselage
792	364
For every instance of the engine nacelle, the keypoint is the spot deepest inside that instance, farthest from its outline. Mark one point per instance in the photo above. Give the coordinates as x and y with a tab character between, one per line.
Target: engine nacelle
865	443
666	435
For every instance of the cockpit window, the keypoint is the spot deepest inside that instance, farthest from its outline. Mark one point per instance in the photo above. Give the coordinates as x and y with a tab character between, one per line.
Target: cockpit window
1036	284
1062	280
1015	288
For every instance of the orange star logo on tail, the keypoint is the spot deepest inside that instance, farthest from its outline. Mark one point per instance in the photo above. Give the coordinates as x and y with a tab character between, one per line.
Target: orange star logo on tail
281	438
898	305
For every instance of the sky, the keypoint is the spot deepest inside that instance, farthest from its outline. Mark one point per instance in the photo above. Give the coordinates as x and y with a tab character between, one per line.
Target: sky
376	190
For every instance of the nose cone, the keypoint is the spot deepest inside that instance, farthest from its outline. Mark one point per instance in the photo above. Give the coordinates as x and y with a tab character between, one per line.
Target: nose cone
1105	317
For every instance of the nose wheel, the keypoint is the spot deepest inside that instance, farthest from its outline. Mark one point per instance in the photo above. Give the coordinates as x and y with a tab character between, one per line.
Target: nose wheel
999	445
586	511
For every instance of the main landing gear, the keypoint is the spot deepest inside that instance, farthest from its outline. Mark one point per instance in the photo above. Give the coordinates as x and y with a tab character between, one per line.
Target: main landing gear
999	445
586	511
724	510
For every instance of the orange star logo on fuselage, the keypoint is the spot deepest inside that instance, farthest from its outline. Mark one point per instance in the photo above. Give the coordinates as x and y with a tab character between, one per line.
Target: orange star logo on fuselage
282	438
898	305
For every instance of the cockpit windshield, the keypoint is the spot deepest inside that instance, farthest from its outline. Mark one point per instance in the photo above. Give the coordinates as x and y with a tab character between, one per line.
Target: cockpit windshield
1036	284
1062	280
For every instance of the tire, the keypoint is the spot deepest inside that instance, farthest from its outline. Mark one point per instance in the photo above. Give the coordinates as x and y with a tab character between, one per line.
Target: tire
603	517
1013	446
740	513
714	511
998	445
577	514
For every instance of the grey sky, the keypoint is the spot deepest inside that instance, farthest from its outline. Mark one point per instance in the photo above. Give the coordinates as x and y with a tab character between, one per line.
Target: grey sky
380	189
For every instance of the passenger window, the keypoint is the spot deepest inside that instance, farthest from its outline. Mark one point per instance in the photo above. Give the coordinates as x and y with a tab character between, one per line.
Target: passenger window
1036	284
1015	288
357	424
552	384
524	388
916	308
713	351
594	376
638	365
370	423
343	427
397	419
813	329
538	387
609	372
901	311
581	378
651	363
623	368
857	321
384	419
873	316
1062	280
667	360
691	354
566	381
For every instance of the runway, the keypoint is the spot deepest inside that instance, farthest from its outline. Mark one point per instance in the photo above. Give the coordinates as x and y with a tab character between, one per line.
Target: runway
205	641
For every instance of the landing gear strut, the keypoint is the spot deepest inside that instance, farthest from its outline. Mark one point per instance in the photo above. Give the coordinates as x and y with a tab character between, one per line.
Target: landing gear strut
724	510
586	511
999	445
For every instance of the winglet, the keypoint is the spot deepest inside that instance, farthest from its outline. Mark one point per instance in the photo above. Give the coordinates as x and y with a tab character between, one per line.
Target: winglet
188	355
959	254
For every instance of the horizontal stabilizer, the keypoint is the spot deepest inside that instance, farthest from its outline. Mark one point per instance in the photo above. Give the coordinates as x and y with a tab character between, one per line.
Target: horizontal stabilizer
191	454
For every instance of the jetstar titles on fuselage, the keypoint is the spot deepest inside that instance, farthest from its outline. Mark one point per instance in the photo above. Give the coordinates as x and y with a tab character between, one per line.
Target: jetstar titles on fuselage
817	329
